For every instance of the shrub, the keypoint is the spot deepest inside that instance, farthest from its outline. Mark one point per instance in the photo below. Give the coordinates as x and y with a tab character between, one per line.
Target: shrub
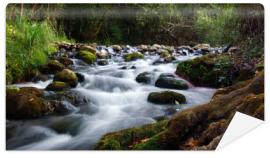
28	43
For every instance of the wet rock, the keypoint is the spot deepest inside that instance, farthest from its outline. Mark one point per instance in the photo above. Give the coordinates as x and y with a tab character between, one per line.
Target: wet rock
159	61
123	68
152	49
74	97
80	77
133	67
63	45
103	62
169	48
133	56
166	97
63	107
58	86
163	53
157	46
102	54
170	81
188	48
116	48
52	67
145	77
86	56
143	48
67	76
65	61
203	48
26	103
88	48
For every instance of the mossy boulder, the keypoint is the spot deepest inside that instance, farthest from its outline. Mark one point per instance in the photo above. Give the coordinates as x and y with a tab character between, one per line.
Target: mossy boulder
145	77
166	97
129	138
209	70
86	56
133	56
171	82
52	67
26	103
67	76
57	86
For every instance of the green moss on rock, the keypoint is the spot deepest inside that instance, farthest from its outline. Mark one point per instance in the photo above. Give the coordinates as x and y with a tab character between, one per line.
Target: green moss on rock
86	56
67	76
128	138
133	56
209	70
153	143
57	86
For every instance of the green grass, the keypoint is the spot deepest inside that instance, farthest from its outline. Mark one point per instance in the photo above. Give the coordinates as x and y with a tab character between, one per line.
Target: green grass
28	44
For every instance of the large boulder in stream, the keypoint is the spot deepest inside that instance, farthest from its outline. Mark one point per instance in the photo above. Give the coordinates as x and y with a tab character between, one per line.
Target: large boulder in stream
67	76
145	77
209	70
133	56
166	97
170	81
197	128
86	56
26	103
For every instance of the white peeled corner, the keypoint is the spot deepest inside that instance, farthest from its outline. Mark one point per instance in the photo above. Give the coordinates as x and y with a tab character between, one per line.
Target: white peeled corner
240	125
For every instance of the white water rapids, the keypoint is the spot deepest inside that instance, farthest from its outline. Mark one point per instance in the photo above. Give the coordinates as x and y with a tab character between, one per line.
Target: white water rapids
116	101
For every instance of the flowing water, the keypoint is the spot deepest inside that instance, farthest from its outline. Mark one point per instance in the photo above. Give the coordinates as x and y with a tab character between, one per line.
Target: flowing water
115	101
